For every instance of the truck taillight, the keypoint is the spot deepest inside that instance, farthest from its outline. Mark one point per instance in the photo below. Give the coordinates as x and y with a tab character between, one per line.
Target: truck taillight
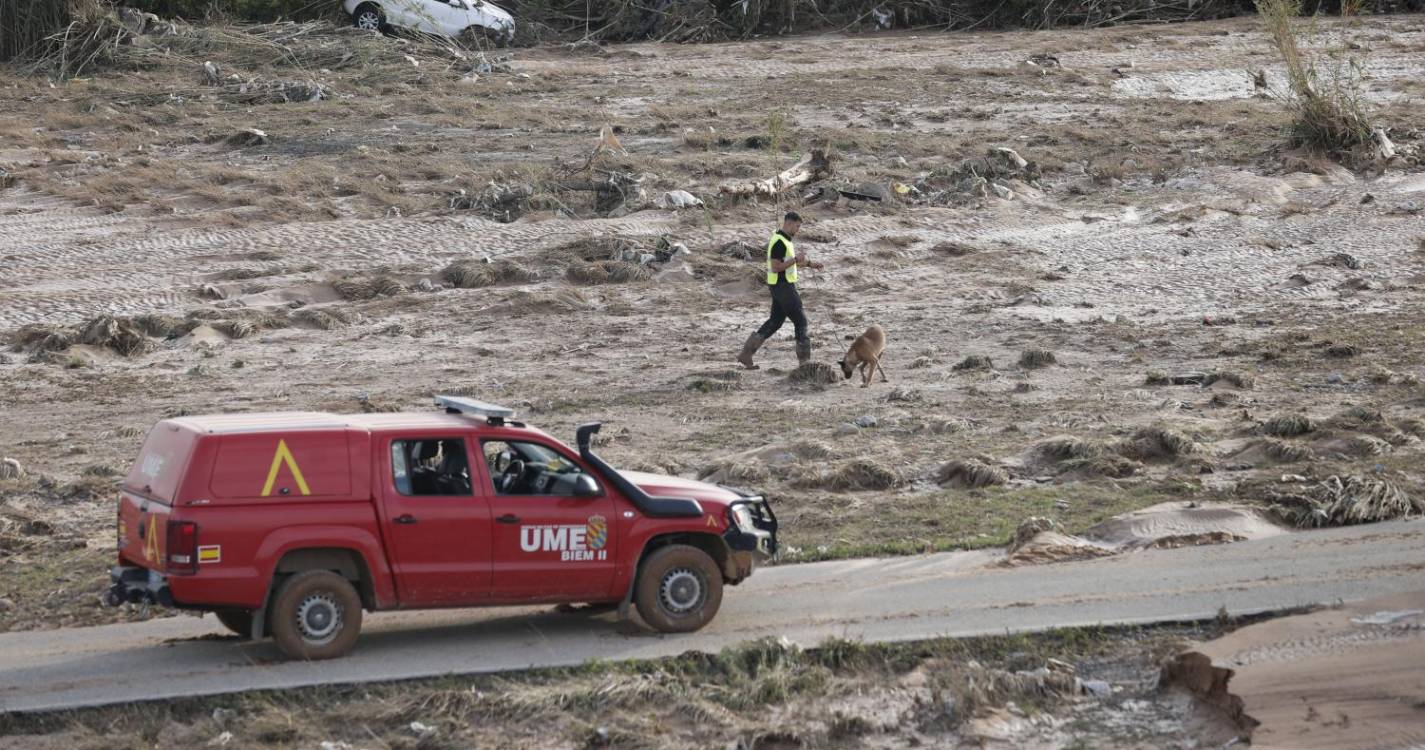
182	547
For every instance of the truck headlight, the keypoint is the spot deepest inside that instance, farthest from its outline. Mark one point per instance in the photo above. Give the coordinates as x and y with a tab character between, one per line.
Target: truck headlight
742	516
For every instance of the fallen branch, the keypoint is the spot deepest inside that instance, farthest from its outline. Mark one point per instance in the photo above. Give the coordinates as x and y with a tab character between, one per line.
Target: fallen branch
814	166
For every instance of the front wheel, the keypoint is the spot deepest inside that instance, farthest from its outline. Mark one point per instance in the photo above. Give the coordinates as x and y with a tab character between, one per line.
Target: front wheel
369	17
679	589
316	615
479	38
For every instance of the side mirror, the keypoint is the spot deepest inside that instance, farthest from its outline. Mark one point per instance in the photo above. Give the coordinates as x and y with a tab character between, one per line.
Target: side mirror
585	486
457	3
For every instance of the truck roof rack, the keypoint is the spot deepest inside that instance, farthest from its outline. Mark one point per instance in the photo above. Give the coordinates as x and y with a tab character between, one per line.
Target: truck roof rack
460	405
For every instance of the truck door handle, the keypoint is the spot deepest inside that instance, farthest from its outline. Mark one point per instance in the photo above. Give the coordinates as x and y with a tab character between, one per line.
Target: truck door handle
406	519
508	518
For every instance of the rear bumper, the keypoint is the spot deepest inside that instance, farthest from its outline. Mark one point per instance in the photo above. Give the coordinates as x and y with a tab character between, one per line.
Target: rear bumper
134	585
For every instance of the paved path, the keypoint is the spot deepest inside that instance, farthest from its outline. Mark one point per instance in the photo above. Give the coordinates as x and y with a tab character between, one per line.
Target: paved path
955	594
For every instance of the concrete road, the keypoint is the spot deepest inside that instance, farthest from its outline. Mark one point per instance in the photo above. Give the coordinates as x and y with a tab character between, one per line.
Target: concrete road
956	594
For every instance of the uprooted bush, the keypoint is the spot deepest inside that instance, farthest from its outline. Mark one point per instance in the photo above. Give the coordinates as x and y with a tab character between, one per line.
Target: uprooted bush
855	474
1345	501
1288	425
1033	359
606	272
970	473
356	288
473	274
1157	443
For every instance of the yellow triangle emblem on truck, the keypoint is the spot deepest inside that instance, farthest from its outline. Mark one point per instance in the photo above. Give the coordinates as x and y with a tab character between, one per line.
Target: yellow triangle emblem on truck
150	542
284	456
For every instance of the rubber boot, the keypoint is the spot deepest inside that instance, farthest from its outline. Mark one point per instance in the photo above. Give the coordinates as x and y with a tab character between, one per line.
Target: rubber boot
754	342
803	352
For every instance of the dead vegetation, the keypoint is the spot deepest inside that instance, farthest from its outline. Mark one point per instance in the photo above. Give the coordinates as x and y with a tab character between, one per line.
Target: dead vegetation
765	694
1159	443
1033	359
854	474
473	274
1330	113
970	473
1348	500
1288	425
973	362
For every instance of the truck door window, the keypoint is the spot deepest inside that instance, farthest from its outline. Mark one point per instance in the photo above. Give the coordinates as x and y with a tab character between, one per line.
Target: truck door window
519	468
430	466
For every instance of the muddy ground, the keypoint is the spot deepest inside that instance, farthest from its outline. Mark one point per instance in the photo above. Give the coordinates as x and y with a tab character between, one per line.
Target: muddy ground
1227	319
1068	689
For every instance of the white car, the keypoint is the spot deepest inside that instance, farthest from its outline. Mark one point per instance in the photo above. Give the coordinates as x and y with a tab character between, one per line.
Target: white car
452	18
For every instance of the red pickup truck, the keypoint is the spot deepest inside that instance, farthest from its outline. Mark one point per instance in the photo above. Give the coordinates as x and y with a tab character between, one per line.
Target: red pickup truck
290	525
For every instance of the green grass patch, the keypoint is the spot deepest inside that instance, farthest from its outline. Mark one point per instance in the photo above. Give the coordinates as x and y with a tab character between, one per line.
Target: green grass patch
956	519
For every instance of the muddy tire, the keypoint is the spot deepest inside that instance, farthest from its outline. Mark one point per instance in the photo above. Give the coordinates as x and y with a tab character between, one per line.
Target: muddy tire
316	615
369	17
679	589
237	620
481	38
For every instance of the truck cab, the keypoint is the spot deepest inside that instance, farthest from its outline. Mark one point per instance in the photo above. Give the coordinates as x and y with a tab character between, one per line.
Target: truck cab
291	525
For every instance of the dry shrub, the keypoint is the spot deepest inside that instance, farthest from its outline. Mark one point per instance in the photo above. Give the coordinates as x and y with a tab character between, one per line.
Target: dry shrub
238	329
1109	465
1232	378
960	690
1279	450
970	473
40	337
324	320
380	285
1363	446
163	326
973	362
815	373
714	382
118	334
606	272
1032	359
1347	501
1342	351
1067	447
1288	425
955	249
860	474
1155	443
1328	103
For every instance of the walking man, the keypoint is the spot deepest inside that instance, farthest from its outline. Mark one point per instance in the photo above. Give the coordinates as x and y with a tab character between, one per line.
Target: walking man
782	263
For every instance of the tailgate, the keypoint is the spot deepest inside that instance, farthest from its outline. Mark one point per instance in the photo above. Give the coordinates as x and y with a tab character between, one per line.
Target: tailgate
143	531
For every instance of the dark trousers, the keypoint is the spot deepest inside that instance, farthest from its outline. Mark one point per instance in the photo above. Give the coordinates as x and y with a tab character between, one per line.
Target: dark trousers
786	303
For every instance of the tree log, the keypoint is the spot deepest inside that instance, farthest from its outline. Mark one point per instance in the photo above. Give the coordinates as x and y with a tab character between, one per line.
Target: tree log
814	166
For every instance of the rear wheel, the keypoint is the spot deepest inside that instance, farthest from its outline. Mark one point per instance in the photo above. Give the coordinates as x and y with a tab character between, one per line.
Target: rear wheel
237	620
316	615
679	589
369	17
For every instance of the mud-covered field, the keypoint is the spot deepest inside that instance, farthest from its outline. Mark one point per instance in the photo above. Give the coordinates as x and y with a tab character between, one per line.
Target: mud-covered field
1162	304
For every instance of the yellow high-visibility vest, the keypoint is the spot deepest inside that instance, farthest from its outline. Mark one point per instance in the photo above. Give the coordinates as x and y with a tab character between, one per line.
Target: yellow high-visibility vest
791	271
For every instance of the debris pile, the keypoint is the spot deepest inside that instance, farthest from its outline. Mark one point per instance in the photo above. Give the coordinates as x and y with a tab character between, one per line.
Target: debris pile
1345	501
999	173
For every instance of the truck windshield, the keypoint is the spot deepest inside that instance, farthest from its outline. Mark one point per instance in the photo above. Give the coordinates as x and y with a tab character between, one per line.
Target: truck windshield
544	457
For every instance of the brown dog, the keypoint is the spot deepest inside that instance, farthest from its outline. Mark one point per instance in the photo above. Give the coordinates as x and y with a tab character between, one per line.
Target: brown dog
866	352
